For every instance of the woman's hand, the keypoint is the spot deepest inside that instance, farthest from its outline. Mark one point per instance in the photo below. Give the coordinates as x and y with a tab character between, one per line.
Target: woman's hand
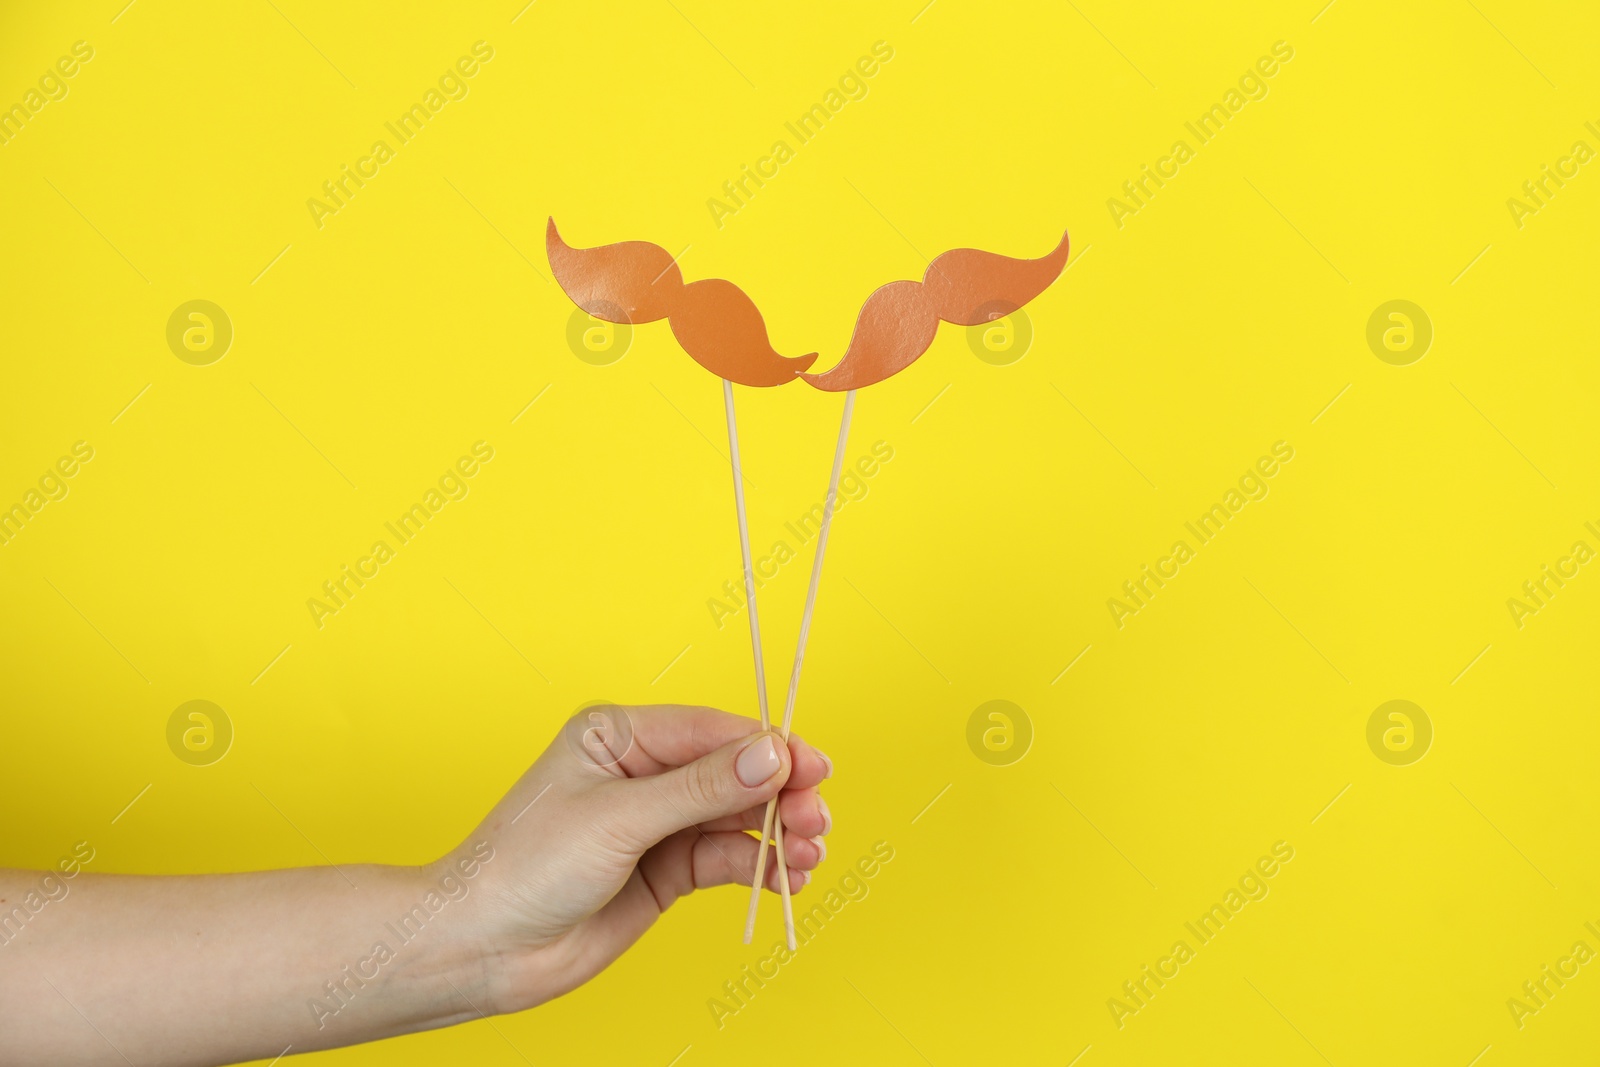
628	810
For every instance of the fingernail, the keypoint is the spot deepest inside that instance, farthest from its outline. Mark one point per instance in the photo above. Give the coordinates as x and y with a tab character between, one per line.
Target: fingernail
758	762
805	877
827	816
826	763
822	848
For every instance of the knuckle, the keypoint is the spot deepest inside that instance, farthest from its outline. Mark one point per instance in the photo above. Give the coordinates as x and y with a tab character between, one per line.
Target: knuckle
600	735
702	788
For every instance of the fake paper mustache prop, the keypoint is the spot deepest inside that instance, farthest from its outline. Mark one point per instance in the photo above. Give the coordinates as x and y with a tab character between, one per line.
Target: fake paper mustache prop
713	320
966	286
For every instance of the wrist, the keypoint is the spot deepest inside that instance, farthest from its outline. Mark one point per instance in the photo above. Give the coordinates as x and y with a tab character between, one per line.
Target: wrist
487	951
411	960
478	950
439	931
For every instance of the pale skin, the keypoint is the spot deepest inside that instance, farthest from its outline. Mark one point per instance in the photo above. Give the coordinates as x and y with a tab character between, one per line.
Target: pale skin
570	868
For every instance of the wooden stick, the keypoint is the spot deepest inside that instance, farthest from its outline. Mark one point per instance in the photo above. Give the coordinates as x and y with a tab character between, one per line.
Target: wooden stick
783	876
744	549
761	873
755	635
771	823
816	562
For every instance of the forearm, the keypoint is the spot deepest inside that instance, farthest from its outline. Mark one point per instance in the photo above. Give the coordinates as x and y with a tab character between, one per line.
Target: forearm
220	968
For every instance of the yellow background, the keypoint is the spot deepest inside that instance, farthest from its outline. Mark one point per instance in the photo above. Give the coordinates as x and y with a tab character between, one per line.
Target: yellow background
1222	317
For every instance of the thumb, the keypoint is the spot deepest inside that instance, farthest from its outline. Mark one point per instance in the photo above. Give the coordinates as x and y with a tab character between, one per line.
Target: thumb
734	778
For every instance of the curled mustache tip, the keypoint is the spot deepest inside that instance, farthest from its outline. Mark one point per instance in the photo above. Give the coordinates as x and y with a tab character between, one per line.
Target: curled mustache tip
964	287
629	282
715	322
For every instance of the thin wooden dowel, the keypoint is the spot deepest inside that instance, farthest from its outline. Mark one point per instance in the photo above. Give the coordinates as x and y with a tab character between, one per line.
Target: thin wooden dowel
783	877
761	874
755	631
771	823
816	562
744	549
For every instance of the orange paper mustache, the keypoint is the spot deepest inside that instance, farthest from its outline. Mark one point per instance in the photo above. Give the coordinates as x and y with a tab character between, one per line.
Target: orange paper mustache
714	321
719	326
965	286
